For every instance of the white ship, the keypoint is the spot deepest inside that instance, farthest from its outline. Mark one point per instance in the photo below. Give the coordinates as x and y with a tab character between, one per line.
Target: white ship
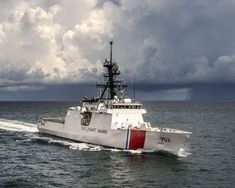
113	120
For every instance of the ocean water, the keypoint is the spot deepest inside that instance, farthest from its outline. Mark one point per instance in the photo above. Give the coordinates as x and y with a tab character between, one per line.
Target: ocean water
30	159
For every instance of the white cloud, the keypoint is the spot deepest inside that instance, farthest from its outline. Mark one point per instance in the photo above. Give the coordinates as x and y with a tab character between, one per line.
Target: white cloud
161	41
35	48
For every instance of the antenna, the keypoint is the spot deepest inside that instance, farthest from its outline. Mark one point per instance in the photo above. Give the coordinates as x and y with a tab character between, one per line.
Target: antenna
134	88
111	51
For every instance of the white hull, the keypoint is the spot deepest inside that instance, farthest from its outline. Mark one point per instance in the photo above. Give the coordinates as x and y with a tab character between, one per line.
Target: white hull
127	138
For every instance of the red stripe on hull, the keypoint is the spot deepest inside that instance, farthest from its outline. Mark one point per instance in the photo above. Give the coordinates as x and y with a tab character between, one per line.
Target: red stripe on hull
137	139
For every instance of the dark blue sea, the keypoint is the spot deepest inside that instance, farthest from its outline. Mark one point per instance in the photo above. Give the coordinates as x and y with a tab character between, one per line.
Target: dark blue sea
30	159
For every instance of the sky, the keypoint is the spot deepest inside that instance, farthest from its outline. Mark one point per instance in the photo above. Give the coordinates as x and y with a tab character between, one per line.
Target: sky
177	50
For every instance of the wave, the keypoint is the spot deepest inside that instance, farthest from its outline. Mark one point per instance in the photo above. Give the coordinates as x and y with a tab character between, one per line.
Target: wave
81	146
70	144
18	126
184	152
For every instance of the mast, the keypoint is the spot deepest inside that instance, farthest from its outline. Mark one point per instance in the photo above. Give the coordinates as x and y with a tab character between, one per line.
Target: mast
113	86
111	52
111	72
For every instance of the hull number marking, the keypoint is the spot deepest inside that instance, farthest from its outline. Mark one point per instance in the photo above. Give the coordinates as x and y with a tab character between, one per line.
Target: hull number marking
165	139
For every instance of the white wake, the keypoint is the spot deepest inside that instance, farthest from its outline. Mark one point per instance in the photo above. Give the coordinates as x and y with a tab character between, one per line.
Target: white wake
70	144
18	126
184	152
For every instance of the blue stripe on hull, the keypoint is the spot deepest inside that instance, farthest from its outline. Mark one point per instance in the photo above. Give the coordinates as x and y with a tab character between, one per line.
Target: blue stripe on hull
127	138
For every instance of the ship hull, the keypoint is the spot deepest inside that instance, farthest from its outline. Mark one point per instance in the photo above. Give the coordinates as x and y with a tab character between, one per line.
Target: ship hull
127	139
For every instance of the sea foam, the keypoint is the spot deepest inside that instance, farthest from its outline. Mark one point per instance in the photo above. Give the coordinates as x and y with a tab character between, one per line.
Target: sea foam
18	126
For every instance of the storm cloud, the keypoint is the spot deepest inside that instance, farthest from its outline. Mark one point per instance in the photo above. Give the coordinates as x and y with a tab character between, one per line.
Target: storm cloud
172	46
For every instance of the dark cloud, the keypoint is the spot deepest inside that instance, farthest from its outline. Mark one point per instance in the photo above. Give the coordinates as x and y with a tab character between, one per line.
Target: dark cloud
40	92
191	38
75	92
225	91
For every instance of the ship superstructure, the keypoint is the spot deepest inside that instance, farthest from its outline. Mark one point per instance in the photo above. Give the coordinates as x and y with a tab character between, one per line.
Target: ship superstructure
112	119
